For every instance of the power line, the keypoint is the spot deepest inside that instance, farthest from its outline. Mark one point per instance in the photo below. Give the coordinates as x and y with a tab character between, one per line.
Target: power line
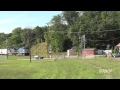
104	30
85	31
104	40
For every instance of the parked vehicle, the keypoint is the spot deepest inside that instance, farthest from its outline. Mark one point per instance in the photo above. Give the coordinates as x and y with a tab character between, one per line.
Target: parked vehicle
117	55
38	57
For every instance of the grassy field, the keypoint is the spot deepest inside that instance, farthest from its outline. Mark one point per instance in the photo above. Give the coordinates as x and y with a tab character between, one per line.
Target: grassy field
99	68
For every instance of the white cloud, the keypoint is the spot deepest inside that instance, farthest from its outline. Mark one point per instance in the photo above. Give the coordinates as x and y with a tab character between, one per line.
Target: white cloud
4	21
28	20
11	20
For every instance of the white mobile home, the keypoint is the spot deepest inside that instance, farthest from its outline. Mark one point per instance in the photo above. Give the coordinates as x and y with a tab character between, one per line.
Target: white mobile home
3	51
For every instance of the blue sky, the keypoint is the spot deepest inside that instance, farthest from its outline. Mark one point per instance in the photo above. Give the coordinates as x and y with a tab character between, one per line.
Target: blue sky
10	20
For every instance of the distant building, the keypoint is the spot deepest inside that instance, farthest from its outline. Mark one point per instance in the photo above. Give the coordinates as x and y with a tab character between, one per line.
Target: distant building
107	51
3	51
12	51
71	52
23	51
20	51
88	51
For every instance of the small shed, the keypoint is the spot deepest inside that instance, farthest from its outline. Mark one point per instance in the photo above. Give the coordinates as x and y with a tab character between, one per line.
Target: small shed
88	52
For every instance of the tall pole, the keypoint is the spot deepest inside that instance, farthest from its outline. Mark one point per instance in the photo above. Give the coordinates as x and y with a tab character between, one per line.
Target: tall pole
36	47
84	40
30	46
7	48
80	40
47	45
50	51
30	50
84	44
79	44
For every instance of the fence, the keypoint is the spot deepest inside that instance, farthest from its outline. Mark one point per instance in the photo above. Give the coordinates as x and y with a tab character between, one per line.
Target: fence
3	57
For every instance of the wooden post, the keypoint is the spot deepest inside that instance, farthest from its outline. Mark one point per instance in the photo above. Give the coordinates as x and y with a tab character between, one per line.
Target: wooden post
30	46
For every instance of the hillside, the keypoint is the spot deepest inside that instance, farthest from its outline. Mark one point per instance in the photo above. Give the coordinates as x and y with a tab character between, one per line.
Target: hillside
39	49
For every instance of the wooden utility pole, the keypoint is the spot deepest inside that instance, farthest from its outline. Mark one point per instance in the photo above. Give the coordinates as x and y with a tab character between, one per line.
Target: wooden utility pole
79	44
84	40
36	48
7	48
30	45
47	45
48	40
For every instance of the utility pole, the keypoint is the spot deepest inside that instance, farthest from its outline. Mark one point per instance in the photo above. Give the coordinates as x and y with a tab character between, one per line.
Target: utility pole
30	45
79	44
47	44
36	47
47	40
84	40
84	44
50	51
7	48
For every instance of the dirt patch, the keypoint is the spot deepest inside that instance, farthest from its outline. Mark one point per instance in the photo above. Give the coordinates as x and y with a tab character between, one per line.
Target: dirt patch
114	59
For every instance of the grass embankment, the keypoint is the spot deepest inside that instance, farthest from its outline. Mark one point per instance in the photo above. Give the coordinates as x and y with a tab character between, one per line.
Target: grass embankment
39	49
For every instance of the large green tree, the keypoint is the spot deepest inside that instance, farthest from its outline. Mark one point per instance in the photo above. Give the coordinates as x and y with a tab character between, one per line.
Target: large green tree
39	34
3	39
15	40
57	34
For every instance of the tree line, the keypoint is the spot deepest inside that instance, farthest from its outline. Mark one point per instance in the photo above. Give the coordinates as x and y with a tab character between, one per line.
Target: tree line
20	37
101	28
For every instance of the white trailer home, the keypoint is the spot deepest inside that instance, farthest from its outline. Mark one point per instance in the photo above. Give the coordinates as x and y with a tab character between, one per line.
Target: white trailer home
3	51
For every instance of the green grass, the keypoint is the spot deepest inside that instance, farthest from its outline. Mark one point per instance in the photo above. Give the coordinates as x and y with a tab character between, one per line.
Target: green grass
60	69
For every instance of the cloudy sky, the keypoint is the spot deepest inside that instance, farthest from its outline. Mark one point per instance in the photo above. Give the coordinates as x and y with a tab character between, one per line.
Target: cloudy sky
13	19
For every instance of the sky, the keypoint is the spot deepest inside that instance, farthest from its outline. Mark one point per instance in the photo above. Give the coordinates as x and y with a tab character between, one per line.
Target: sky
10	20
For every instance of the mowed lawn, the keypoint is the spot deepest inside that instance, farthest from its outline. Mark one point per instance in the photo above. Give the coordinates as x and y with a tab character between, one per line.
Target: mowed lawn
59	69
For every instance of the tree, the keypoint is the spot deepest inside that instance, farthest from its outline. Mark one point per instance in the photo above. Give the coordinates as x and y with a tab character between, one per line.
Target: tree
70	16
45	30
2	40
57	24
15	40
72	19
95	21
27	35
57	36
39	34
